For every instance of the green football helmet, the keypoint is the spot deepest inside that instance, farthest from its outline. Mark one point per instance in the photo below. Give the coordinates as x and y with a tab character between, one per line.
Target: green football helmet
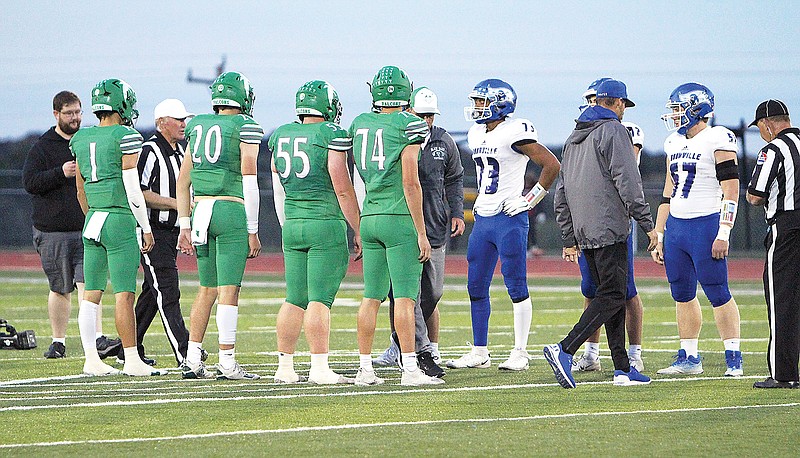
232	89
116	96
391	87
318	98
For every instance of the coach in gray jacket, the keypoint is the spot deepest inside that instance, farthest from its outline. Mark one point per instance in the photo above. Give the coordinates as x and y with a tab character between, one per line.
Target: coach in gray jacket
599	191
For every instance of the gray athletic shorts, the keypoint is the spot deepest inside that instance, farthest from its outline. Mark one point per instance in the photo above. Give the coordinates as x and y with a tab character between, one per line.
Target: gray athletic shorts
62	258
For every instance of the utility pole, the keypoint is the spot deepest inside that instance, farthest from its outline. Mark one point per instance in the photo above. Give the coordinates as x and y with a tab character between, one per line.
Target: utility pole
190	78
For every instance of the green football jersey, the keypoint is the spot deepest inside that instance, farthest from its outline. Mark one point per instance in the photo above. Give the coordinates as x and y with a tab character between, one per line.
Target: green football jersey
99	152
214	141
378	141
300	152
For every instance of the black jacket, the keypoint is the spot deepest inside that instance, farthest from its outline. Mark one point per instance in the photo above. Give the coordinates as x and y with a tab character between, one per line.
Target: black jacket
55	197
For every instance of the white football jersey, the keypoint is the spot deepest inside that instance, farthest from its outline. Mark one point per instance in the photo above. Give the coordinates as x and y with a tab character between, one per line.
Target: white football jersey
500	169
693	168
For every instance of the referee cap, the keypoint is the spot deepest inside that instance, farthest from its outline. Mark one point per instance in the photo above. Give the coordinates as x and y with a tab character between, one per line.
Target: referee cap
767	108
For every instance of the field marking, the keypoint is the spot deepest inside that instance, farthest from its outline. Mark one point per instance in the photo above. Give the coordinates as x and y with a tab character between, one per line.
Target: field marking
356	392
401	423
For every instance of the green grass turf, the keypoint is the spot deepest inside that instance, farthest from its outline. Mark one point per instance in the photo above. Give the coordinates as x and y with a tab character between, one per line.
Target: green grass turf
478	412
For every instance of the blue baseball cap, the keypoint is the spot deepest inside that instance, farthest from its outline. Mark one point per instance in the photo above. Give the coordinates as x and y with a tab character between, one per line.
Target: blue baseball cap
614	89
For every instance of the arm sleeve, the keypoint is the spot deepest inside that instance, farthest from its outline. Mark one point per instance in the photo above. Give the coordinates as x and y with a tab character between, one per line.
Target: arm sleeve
765	171
36	177
252	202
625	175
278	198
563	215
130	178
453	178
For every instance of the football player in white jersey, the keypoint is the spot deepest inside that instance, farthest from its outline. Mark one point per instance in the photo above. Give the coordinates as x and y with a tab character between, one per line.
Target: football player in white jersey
502	147
695	218
634	311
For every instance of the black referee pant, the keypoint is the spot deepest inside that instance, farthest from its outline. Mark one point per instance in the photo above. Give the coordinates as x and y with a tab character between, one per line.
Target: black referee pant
160	293
781	280
609	269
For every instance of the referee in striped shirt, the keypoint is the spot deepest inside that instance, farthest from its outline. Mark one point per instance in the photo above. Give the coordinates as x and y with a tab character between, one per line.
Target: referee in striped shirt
159	166
776	185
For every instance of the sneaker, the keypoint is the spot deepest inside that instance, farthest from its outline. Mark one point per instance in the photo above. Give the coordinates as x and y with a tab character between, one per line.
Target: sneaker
772	383
630	378
427	364
138	369
389	357
289	377
56	350
636	361
586	364
108	347
98	368
418	378
683	365
235	373
733	359
517	361
561	363
198	372
367	378
145	359
471	359
329	377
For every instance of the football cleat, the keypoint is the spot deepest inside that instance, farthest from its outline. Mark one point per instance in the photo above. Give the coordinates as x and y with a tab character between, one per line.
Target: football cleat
561	363
418	378
517	361
198	372
586	364
630	378
367	378
98	368
683	365
473	359
389	357
289	376
108	347
235	373
733	359
428	365
329	377
56	350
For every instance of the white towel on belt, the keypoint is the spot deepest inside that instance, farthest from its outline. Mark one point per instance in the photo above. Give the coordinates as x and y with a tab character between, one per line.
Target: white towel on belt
201	220
95	226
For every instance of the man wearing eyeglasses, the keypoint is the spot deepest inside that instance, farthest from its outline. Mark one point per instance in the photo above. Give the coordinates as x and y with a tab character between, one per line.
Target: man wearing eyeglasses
49	176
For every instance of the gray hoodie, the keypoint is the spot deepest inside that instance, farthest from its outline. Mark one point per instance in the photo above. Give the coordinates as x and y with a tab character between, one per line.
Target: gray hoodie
599	187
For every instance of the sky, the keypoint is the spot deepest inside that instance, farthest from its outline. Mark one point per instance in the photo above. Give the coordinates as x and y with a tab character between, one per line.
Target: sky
745	52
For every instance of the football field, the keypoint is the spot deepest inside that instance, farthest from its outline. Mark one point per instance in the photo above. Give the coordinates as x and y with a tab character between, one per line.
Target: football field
48	408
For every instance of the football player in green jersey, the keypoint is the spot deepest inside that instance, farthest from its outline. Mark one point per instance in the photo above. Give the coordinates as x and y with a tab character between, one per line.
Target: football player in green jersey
309	163
110	196
223	229
386	144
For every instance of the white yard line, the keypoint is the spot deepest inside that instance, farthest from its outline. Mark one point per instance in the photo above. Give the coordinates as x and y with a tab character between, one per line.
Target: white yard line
400	423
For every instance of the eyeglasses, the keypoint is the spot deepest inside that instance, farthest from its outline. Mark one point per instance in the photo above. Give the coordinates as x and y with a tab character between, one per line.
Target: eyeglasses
71	114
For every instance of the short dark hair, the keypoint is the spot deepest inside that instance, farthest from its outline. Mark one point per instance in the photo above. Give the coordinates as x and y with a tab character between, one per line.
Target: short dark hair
103	114
64	98
606	101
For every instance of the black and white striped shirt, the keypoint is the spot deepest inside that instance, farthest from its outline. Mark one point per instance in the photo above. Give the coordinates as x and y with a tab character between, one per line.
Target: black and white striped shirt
159	166
776	176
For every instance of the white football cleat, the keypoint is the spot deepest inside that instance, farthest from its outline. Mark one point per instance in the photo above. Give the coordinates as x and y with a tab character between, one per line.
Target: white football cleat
99	368
418	378
289	376
235	373
517	361
471	360
140	369
367	378
585	364
328	377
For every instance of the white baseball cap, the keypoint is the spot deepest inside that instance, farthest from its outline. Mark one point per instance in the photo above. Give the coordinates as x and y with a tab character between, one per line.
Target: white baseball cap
172	108
424	101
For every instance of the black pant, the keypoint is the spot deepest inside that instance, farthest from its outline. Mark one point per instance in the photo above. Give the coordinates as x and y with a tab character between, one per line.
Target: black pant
160	293
609	268
781	279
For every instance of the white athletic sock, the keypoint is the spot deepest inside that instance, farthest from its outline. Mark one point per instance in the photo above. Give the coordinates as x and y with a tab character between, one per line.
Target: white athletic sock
319	362
285	362
690	346
87	316
365	362
61	340
523	311
592	350
435	347
227	358
132	354
193	353
731	344
635	351
227	317
480	351
410	362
